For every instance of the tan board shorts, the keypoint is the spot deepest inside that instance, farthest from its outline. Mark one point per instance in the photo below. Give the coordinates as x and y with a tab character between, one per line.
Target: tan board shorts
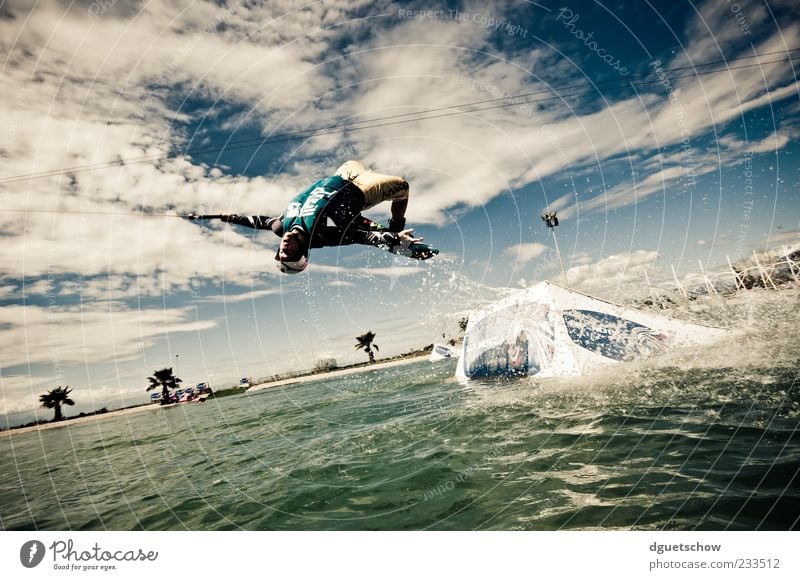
376	186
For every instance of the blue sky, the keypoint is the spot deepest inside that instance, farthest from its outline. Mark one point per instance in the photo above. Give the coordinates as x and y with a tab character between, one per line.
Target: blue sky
648	172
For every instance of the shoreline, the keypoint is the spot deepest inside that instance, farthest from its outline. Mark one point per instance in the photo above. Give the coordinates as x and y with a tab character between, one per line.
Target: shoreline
78	420
150	407
336	373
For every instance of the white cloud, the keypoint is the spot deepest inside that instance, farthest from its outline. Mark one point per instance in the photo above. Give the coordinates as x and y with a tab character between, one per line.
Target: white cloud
676	172
524	253
580	258
8	291
20	393
60	336
79	91
772	142
612	273
243	297
714	28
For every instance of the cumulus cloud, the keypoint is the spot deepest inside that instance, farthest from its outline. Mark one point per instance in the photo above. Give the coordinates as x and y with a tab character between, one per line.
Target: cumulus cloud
243	297
8	291
772	142
61	336
524	253
20	393
611	273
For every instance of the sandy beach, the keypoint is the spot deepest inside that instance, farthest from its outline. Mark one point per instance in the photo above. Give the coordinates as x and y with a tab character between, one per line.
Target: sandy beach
336	374
77	420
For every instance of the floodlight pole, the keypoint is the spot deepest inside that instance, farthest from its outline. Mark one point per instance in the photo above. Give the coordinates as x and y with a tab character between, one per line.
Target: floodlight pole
551	221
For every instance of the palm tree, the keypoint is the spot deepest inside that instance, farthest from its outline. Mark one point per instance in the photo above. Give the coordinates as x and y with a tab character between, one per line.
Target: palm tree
365	342
166	380
55	398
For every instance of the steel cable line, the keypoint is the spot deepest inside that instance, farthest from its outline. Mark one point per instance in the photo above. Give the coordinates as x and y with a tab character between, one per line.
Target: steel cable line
401	118
91	212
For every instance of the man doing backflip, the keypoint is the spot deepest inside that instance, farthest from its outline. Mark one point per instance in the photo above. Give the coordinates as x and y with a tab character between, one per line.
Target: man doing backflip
328	213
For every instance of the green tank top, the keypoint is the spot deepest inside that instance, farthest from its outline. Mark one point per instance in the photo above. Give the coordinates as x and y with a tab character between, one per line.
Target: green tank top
310	208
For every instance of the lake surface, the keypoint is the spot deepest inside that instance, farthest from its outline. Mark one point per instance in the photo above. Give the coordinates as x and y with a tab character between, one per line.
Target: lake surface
705	441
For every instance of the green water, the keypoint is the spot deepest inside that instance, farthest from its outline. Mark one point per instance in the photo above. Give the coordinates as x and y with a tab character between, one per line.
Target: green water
410	448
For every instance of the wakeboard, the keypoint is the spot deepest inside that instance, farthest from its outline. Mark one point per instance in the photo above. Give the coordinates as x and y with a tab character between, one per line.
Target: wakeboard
415	250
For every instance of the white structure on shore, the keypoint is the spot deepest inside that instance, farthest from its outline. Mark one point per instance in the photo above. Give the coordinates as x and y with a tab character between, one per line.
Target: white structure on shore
443	351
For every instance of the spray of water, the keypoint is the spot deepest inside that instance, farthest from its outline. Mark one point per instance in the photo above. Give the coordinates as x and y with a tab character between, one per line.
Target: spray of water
753	367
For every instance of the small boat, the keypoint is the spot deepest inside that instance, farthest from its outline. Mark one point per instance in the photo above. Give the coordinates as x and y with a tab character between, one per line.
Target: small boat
442	352
550	331
202	391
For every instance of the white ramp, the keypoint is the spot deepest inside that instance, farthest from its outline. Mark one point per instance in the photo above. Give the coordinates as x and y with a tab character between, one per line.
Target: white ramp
550	331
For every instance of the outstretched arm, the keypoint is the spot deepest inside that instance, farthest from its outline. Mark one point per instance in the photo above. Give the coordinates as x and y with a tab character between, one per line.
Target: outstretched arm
258	222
